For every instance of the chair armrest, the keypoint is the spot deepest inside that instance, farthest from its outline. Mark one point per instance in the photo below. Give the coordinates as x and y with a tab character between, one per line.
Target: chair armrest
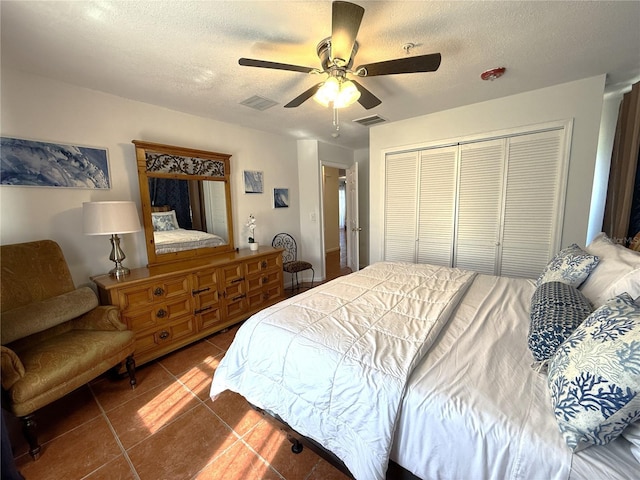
103	317
12	368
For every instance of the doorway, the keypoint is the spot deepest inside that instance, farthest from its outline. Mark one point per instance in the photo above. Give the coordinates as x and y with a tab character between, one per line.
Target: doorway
334	214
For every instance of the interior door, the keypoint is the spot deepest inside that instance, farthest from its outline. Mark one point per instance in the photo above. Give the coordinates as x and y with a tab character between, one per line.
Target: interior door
353	224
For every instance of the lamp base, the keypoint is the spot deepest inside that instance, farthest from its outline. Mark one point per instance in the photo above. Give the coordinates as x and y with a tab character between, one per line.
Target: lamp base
117	256
119	271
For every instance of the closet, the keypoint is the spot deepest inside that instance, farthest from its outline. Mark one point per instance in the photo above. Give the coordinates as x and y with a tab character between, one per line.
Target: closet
491	205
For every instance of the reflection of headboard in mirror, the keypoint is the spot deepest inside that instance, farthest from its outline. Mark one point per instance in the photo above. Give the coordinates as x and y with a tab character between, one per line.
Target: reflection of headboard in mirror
186	202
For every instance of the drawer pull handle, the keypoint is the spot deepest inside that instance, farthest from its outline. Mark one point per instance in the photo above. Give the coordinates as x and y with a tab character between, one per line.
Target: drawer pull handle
237	280
164	335
238	297
264	264
196	292
158	291
200	310
265	280
161	313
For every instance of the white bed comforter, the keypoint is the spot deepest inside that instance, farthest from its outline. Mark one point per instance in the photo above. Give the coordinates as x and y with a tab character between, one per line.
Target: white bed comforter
338	357
177	240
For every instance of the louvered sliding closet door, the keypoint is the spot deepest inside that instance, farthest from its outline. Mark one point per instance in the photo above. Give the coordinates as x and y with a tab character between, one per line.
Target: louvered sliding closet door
401	172
436	205
533	204
480	187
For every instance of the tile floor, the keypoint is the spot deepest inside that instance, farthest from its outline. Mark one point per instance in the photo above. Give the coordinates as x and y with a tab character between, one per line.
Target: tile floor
167	428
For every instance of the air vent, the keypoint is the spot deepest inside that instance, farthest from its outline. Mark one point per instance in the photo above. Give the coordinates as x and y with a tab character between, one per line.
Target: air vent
368	121
258	103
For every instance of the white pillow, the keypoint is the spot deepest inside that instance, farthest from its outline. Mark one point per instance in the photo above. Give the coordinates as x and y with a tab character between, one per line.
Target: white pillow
164	221
632	433
617	272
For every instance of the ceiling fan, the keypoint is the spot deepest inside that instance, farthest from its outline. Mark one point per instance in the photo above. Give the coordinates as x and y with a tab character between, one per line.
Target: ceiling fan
336	55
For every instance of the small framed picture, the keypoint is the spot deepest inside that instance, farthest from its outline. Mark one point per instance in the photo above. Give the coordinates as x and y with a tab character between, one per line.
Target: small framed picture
253	181
280	197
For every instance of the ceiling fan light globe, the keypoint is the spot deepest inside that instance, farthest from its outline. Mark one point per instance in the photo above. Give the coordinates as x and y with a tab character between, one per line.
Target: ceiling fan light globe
348	95
327	92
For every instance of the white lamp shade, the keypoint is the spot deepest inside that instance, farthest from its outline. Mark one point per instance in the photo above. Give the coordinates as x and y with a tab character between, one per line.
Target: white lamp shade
106	218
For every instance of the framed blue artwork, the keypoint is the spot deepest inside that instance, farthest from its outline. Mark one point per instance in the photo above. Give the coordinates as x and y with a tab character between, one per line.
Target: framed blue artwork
253	182
43	164
280	197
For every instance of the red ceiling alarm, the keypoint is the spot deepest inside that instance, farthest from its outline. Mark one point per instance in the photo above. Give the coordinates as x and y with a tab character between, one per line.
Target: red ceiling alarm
493	73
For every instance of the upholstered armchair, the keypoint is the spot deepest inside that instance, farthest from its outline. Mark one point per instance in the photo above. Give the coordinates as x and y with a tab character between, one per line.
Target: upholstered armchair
55	337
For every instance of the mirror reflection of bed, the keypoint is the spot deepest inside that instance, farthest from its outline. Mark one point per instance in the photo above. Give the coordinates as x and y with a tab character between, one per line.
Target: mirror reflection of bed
187	214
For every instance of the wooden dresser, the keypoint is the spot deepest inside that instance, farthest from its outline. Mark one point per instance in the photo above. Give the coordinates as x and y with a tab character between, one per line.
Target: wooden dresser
169	306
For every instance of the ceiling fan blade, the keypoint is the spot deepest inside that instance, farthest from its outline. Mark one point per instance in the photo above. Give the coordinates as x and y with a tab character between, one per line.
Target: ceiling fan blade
248	62
367	99
303	97
420	63
345	23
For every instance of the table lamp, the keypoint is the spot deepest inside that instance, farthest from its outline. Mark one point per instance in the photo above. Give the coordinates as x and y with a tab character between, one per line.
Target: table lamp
111	218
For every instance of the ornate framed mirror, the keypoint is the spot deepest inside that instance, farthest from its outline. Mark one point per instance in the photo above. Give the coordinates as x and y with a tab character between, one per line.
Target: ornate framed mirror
186	202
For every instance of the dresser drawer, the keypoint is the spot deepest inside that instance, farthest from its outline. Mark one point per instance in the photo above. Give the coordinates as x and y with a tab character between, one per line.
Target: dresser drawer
265	279
156	314
265	293
264	263
150	340
209	318
142	295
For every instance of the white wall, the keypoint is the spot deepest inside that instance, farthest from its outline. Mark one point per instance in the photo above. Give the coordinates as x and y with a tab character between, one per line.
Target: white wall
41	109
581	101
362	157
311	155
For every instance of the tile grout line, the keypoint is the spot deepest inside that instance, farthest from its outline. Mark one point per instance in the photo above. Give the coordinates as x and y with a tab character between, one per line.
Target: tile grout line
115	435
239	438
202	402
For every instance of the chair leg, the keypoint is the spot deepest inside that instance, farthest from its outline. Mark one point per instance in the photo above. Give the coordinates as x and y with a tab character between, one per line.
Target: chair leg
131	370
30	432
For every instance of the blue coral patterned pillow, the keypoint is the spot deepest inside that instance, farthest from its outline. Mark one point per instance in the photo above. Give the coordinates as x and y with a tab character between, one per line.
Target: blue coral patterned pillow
594	377
164	221
556	311
571	265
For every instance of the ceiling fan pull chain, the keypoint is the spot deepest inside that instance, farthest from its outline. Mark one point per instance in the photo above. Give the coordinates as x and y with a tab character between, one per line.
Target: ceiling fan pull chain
336	121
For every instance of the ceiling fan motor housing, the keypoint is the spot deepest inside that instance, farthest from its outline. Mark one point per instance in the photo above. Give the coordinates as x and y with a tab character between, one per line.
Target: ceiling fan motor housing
324	54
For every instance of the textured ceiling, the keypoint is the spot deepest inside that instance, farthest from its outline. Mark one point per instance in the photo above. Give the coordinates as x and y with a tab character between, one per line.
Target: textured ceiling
183	55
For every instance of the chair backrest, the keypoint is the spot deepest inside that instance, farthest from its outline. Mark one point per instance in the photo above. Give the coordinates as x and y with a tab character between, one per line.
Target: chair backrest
32	272
286	241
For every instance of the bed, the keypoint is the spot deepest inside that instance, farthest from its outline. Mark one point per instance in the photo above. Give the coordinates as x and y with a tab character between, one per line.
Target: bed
179	239
431	368
168	237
